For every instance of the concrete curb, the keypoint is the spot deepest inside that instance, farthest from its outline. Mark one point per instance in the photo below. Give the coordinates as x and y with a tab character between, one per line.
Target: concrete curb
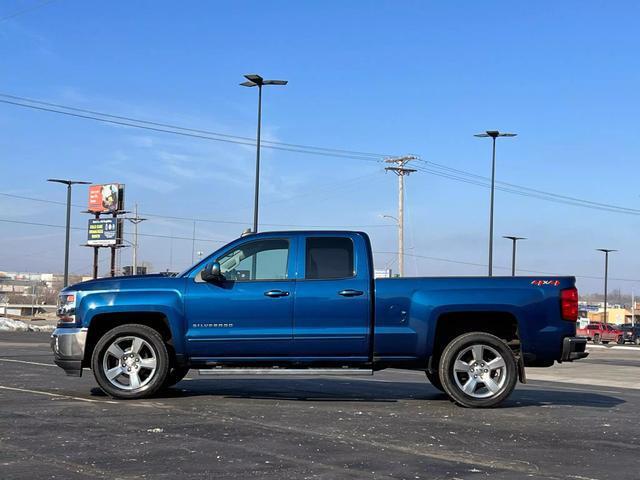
615	347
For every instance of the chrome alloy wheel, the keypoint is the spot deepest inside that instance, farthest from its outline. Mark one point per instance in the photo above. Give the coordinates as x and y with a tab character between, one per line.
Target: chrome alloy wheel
129	363
480	371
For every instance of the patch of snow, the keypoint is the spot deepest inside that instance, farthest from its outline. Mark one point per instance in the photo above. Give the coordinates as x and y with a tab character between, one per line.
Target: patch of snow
9	325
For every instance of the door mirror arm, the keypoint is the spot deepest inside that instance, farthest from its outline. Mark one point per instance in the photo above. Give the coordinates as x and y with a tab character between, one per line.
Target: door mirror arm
212	273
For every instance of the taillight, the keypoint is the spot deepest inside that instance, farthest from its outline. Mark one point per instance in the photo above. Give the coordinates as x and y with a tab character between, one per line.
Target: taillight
569	304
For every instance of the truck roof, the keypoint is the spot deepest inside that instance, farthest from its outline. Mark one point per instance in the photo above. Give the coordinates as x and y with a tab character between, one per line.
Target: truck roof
305	232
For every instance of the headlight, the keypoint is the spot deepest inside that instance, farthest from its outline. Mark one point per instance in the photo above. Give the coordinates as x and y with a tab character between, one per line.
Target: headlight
67	307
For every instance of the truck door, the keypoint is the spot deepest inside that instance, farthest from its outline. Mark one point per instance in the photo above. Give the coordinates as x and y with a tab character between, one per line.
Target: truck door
250	312
332	304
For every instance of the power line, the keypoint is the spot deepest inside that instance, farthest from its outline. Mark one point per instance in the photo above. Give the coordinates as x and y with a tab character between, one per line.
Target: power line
484	265
195	130
25	10
203	220
432	168
51	225
531	193
440	259
533	190
145	125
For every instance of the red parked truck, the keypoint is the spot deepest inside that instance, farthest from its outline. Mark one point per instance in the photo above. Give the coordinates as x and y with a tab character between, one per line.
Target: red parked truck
599	332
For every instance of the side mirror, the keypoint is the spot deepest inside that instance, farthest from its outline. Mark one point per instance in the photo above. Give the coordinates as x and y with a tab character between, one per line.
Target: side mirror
212	273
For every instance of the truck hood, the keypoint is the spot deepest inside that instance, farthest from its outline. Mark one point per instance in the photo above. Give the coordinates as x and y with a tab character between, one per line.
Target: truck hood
124	283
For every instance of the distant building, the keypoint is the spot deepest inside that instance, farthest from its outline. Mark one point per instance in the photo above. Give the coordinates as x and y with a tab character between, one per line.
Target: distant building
615	315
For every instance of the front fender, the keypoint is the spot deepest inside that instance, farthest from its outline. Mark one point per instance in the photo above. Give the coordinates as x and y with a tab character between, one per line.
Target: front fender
167	302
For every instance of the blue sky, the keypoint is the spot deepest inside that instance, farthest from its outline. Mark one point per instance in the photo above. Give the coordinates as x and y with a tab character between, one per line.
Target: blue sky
386	77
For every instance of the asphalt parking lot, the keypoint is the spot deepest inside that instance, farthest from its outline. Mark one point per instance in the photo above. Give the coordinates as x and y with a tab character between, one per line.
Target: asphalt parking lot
579	421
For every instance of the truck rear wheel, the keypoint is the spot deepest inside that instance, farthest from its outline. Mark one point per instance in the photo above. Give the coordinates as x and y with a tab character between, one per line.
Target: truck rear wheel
478	370
130	361
596	338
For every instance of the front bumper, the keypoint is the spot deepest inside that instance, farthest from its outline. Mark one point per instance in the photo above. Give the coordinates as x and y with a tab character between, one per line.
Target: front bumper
68	349
573	348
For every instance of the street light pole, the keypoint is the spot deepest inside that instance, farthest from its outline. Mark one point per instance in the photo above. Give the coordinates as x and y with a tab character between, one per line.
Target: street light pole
68	183
513	253
493	134
254	80
606	276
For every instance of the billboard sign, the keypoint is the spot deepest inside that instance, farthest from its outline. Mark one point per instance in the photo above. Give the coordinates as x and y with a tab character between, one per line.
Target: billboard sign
107	198
104	232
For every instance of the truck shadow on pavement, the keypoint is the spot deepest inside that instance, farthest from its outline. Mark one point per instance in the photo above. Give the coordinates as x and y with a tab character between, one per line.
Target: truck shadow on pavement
341	390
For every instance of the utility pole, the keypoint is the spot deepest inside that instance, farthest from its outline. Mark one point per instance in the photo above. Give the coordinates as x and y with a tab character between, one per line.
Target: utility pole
400	169
513	252
633	308
135	220
606	251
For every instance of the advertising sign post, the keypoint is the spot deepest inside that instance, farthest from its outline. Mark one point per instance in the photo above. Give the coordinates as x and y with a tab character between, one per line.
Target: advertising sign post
105	199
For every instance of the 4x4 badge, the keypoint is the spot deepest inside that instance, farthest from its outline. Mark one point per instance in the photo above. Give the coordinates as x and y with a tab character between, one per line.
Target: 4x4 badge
540	283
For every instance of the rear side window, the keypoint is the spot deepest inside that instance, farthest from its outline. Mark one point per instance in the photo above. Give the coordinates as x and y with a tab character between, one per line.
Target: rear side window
329	257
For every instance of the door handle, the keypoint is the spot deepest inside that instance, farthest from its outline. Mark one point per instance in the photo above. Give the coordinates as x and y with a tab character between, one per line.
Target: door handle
276	293
350	293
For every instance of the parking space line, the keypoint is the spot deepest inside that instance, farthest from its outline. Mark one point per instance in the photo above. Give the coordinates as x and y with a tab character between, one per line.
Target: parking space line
51	394
29	363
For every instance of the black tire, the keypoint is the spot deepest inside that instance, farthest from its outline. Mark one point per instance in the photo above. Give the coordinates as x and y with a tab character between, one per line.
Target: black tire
174	376
620	340
153	348
482	394
434	378
637	341
596	338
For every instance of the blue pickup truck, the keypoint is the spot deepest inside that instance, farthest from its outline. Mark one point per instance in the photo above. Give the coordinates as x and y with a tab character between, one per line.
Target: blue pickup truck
306	302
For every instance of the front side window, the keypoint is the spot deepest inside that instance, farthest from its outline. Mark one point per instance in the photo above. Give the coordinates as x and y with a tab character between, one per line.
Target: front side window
329	257
259	260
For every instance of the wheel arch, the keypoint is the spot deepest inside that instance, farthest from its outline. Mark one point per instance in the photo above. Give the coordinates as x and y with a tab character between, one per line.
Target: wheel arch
449	325
103	322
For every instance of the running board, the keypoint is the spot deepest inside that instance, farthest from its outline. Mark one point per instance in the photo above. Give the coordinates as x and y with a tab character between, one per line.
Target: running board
285	371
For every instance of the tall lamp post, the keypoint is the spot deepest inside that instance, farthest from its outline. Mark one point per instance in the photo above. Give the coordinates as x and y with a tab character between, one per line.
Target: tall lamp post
493	134
68	183
513	252
606	251
254	80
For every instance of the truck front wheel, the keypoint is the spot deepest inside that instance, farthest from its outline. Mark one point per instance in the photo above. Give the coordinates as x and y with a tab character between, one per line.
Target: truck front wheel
478	370
130	361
